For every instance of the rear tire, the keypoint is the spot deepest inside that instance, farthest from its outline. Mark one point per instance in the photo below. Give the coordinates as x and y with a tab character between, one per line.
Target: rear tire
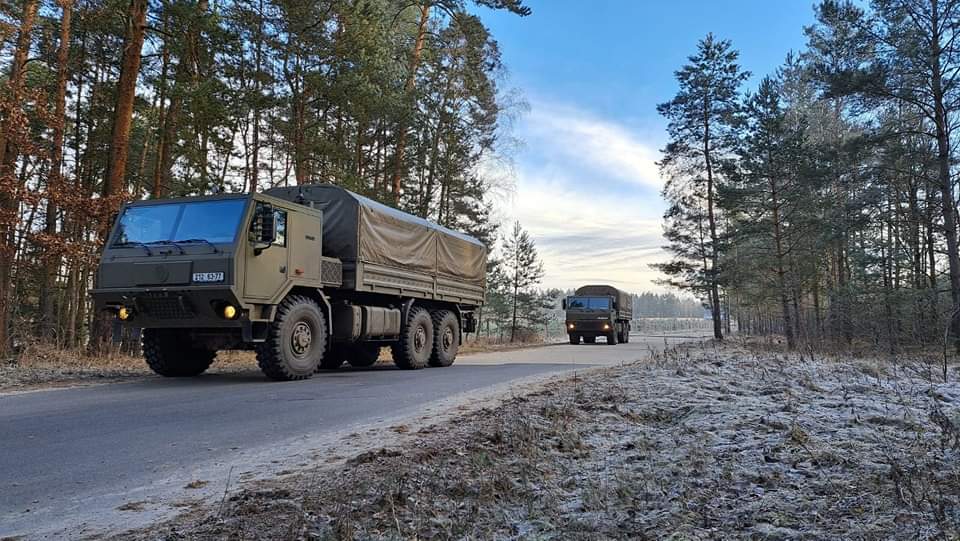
169	353
446	338
296	341
363	355
413	350
575	339
612	338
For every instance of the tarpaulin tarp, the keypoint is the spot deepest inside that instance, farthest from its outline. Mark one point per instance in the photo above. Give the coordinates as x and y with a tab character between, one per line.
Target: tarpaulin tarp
358	229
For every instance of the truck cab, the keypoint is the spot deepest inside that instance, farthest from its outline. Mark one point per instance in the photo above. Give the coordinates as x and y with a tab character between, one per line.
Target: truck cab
598	311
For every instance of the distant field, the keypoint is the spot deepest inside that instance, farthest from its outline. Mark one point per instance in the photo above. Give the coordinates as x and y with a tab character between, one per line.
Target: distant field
664	324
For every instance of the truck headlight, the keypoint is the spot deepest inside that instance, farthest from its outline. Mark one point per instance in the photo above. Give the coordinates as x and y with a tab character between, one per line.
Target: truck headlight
229	311
123	314
606	326
571	326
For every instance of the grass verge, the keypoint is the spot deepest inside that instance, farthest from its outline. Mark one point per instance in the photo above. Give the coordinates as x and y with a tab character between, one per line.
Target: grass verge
701	442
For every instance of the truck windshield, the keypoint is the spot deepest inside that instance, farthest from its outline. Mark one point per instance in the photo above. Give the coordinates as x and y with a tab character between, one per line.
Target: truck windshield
200	221
588	303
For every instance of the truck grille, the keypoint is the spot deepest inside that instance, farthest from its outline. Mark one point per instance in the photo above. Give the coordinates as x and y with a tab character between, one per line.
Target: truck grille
163	306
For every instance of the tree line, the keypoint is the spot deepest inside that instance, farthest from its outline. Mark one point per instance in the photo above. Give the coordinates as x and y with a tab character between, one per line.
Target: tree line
822	204
104	101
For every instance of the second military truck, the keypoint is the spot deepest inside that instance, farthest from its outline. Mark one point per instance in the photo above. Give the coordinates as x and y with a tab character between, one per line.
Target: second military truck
310	277
598	310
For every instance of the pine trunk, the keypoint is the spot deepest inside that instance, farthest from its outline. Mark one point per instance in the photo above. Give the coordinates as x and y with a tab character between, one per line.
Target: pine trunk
55	184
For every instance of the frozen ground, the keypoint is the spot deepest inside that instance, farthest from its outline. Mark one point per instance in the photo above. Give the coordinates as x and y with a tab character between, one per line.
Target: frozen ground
698	443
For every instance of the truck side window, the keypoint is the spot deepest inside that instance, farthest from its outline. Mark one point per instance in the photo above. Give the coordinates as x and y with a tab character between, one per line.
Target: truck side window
280	222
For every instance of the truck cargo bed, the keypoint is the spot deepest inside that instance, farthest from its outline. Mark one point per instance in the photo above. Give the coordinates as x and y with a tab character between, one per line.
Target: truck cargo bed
387	251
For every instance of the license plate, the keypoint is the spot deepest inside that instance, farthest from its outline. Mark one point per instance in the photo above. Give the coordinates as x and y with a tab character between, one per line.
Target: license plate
208	277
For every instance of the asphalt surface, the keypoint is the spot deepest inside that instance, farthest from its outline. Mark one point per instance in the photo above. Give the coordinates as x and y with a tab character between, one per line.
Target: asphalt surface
83	460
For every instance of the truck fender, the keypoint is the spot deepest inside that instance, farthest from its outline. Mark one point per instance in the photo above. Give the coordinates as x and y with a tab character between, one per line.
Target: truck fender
405	312
328	309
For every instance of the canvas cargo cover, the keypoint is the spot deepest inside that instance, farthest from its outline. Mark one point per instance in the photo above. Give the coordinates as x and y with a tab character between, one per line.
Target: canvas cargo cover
358	229
622	298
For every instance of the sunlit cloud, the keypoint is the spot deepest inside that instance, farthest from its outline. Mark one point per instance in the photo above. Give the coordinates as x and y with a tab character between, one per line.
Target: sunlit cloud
587	190
590	144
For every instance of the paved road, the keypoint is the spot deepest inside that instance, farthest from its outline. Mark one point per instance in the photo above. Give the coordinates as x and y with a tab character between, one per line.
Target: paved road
70	457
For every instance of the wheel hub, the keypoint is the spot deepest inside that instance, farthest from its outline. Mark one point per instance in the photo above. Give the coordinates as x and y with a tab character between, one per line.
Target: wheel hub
301	338
447	339
419	339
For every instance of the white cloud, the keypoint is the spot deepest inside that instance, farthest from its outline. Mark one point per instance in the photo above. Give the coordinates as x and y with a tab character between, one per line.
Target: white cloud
609	149
587	190
589	236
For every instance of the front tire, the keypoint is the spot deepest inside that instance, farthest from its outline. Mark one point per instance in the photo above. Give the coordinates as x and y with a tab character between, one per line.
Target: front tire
574	339
169	353
413	350
446	338
296	341
612	338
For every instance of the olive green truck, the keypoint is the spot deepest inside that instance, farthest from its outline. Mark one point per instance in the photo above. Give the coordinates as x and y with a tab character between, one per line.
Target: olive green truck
309	277
598	310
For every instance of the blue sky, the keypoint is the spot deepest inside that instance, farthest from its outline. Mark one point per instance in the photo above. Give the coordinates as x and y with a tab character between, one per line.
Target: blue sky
584	181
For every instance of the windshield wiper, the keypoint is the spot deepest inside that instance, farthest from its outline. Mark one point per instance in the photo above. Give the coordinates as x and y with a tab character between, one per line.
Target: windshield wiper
182	251
205	241
135	243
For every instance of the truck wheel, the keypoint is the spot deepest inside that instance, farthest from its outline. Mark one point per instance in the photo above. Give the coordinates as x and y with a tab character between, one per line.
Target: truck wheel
363	355
575	339
626	335
612	338
446	338
169	353
589	339
296	341
413	350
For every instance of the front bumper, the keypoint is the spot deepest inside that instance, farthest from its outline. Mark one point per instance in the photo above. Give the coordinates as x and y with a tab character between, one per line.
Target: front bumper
584	326
188	307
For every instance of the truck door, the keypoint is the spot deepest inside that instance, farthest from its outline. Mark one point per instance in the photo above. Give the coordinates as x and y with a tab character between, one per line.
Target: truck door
266	272
304	236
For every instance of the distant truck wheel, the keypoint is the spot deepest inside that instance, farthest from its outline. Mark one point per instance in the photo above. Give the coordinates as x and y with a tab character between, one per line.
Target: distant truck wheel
446	338
589	339
612	338
575	339
169	353
296	341
413	350
363	355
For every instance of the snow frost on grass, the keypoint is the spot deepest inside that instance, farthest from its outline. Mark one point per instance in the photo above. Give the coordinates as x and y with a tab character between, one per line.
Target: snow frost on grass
708	442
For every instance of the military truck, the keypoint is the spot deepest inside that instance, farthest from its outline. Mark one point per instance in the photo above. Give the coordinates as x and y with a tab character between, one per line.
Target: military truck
309	277
598	310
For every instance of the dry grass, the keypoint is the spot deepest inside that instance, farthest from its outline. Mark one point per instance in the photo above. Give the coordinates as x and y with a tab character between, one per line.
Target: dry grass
702	442
40	365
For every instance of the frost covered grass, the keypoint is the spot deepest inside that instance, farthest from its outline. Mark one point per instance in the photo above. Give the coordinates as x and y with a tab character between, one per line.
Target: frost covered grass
702	442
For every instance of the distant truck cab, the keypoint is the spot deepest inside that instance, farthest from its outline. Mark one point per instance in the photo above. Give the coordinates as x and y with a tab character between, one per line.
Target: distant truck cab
309	277
598	310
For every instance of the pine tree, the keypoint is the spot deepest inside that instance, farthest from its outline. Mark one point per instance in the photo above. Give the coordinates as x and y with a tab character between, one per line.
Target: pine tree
703	122
523	270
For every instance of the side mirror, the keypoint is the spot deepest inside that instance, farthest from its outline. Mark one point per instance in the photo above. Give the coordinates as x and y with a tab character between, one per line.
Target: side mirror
563	304
263	229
